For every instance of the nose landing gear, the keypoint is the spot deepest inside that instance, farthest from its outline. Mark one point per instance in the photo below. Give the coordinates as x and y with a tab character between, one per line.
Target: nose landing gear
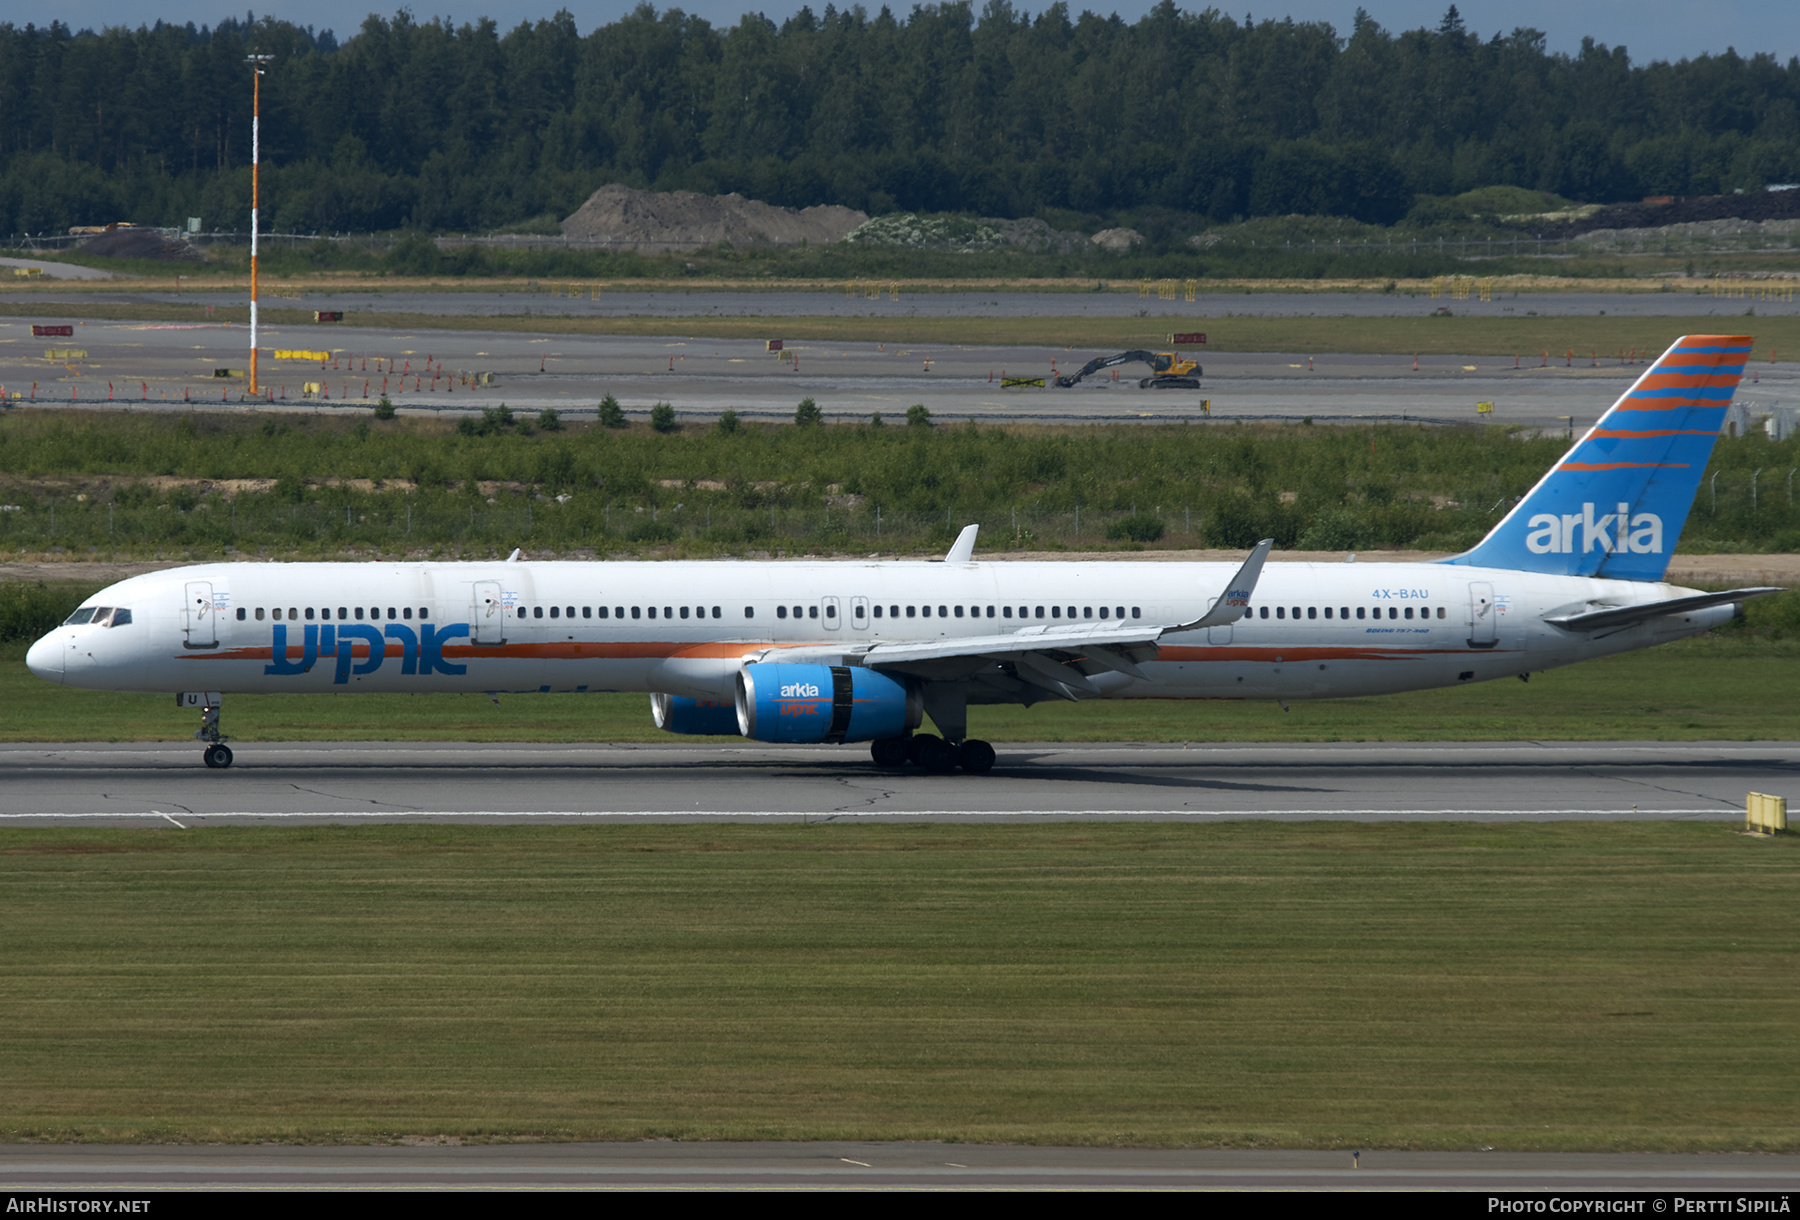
217	754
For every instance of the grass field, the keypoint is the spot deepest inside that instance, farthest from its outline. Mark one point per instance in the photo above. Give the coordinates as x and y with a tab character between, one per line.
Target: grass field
1709	689
1561	986
1422	334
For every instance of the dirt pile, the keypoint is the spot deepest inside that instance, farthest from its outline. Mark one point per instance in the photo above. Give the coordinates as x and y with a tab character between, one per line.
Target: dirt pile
1751	205
682	219
1117	240
964	233
1697	229
140	243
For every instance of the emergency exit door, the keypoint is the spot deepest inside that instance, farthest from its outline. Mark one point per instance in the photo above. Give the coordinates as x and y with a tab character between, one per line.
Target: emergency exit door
487	616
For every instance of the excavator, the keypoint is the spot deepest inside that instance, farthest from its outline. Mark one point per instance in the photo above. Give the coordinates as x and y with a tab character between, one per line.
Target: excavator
1168	370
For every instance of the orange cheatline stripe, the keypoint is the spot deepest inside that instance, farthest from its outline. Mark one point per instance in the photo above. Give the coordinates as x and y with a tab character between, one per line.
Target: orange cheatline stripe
655	650
1626	434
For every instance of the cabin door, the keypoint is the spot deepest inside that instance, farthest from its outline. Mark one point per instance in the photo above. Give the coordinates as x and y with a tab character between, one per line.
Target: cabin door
1483	627
199	617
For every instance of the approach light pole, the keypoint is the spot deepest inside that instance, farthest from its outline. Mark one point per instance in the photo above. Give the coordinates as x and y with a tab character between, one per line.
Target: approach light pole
258	65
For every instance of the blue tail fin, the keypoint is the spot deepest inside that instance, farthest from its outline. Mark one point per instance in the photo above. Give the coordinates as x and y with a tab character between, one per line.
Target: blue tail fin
1615	504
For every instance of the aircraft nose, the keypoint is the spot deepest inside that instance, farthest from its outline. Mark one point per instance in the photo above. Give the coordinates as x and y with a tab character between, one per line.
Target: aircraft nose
45	659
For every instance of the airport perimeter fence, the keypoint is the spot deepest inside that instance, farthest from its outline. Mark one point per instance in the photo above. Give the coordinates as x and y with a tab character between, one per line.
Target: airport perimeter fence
386	241
1754	508
1615	241
397	523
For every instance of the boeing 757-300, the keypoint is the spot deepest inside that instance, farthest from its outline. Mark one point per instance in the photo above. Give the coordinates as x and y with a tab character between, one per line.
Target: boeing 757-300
795	651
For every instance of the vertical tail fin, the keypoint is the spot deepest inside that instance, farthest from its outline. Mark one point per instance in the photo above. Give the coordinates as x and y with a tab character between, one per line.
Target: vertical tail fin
1615	504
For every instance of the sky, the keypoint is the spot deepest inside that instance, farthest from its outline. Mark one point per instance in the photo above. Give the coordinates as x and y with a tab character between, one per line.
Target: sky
1649	29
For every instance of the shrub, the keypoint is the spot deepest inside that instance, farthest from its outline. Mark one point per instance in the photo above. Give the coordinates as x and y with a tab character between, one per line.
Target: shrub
385	408
549	421
28	610
662	418
1336	530
652	530
728	423
918	416
807	414
1139	527
611	414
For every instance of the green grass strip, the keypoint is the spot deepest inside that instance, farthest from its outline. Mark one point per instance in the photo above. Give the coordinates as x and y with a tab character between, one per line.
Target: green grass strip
1560	986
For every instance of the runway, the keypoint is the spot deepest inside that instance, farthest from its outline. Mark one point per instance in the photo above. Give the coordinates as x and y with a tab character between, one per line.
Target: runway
874	1166
164	784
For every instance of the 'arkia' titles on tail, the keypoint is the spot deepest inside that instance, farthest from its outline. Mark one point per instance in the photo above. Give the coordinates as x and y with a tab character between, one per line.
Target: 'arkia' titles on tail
1615	504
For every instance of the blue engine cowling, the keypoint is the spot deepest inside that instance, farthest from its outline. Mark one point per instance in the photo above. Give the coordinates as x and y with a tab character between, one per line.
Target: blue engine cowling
830	703
703	717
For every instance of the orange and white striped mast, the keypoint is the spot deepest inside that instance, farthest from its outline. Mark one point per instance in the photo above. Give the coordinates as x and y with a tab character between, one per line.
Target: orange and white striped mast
258	65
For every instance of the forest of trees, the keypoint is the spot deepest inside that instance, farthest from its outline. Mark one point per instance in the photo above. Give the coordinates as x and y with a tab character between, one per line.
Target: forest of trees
412	124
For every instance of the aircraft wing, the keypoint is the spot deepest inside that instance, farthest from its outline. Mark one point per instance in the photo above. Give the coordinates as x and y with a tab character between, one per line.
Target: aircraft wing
1060	658
1605	617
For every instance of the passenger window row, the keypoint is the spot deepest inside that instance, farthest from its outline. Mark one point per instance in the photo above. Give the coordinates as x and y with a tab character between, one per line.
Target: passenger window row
619	612
1055	612
343	612
1343	612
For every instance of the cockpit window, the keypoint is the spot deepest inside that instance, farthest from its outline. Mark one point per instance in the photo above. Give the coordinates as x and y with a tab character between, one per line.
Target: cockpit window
99	616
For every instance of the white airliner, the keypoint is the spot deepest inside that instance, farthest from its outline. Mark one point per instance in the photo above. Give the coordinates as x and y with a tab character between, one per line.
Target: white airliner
858	651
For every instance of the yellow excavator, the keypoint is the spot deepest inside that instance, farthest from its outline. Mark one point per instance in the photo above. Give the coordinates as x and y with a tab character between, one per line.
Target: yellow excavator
1168	370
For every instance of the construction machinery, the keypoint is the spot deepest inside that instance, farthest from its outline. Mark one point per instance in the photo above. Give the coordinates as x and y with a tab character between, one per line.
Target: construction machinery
1168	370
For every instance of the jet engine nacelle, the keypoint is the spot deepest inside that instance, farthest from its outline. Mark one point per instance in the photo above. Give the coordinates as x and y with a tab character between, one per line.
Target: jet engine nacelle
702	717
831	703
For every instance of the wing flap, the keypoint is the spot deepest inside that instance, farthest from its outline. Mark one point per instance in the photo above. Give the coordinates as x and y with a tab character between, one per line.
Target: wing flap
1030	639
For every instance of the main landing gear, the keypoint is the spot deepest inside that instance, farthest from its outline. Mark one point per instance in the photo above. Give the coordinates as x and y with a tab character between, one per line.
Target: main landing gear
931	753
217	754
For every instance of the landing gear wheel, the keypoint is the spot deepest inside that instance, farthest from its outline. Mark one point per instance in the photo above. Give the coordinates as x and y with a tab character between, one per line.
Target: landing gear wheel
934	754
217	757
889	751
977	757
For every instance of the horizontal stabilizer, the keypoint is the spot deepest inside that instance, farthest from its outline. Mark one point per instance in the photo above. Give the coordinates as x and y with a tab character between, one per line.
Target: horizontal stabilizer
1626	616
